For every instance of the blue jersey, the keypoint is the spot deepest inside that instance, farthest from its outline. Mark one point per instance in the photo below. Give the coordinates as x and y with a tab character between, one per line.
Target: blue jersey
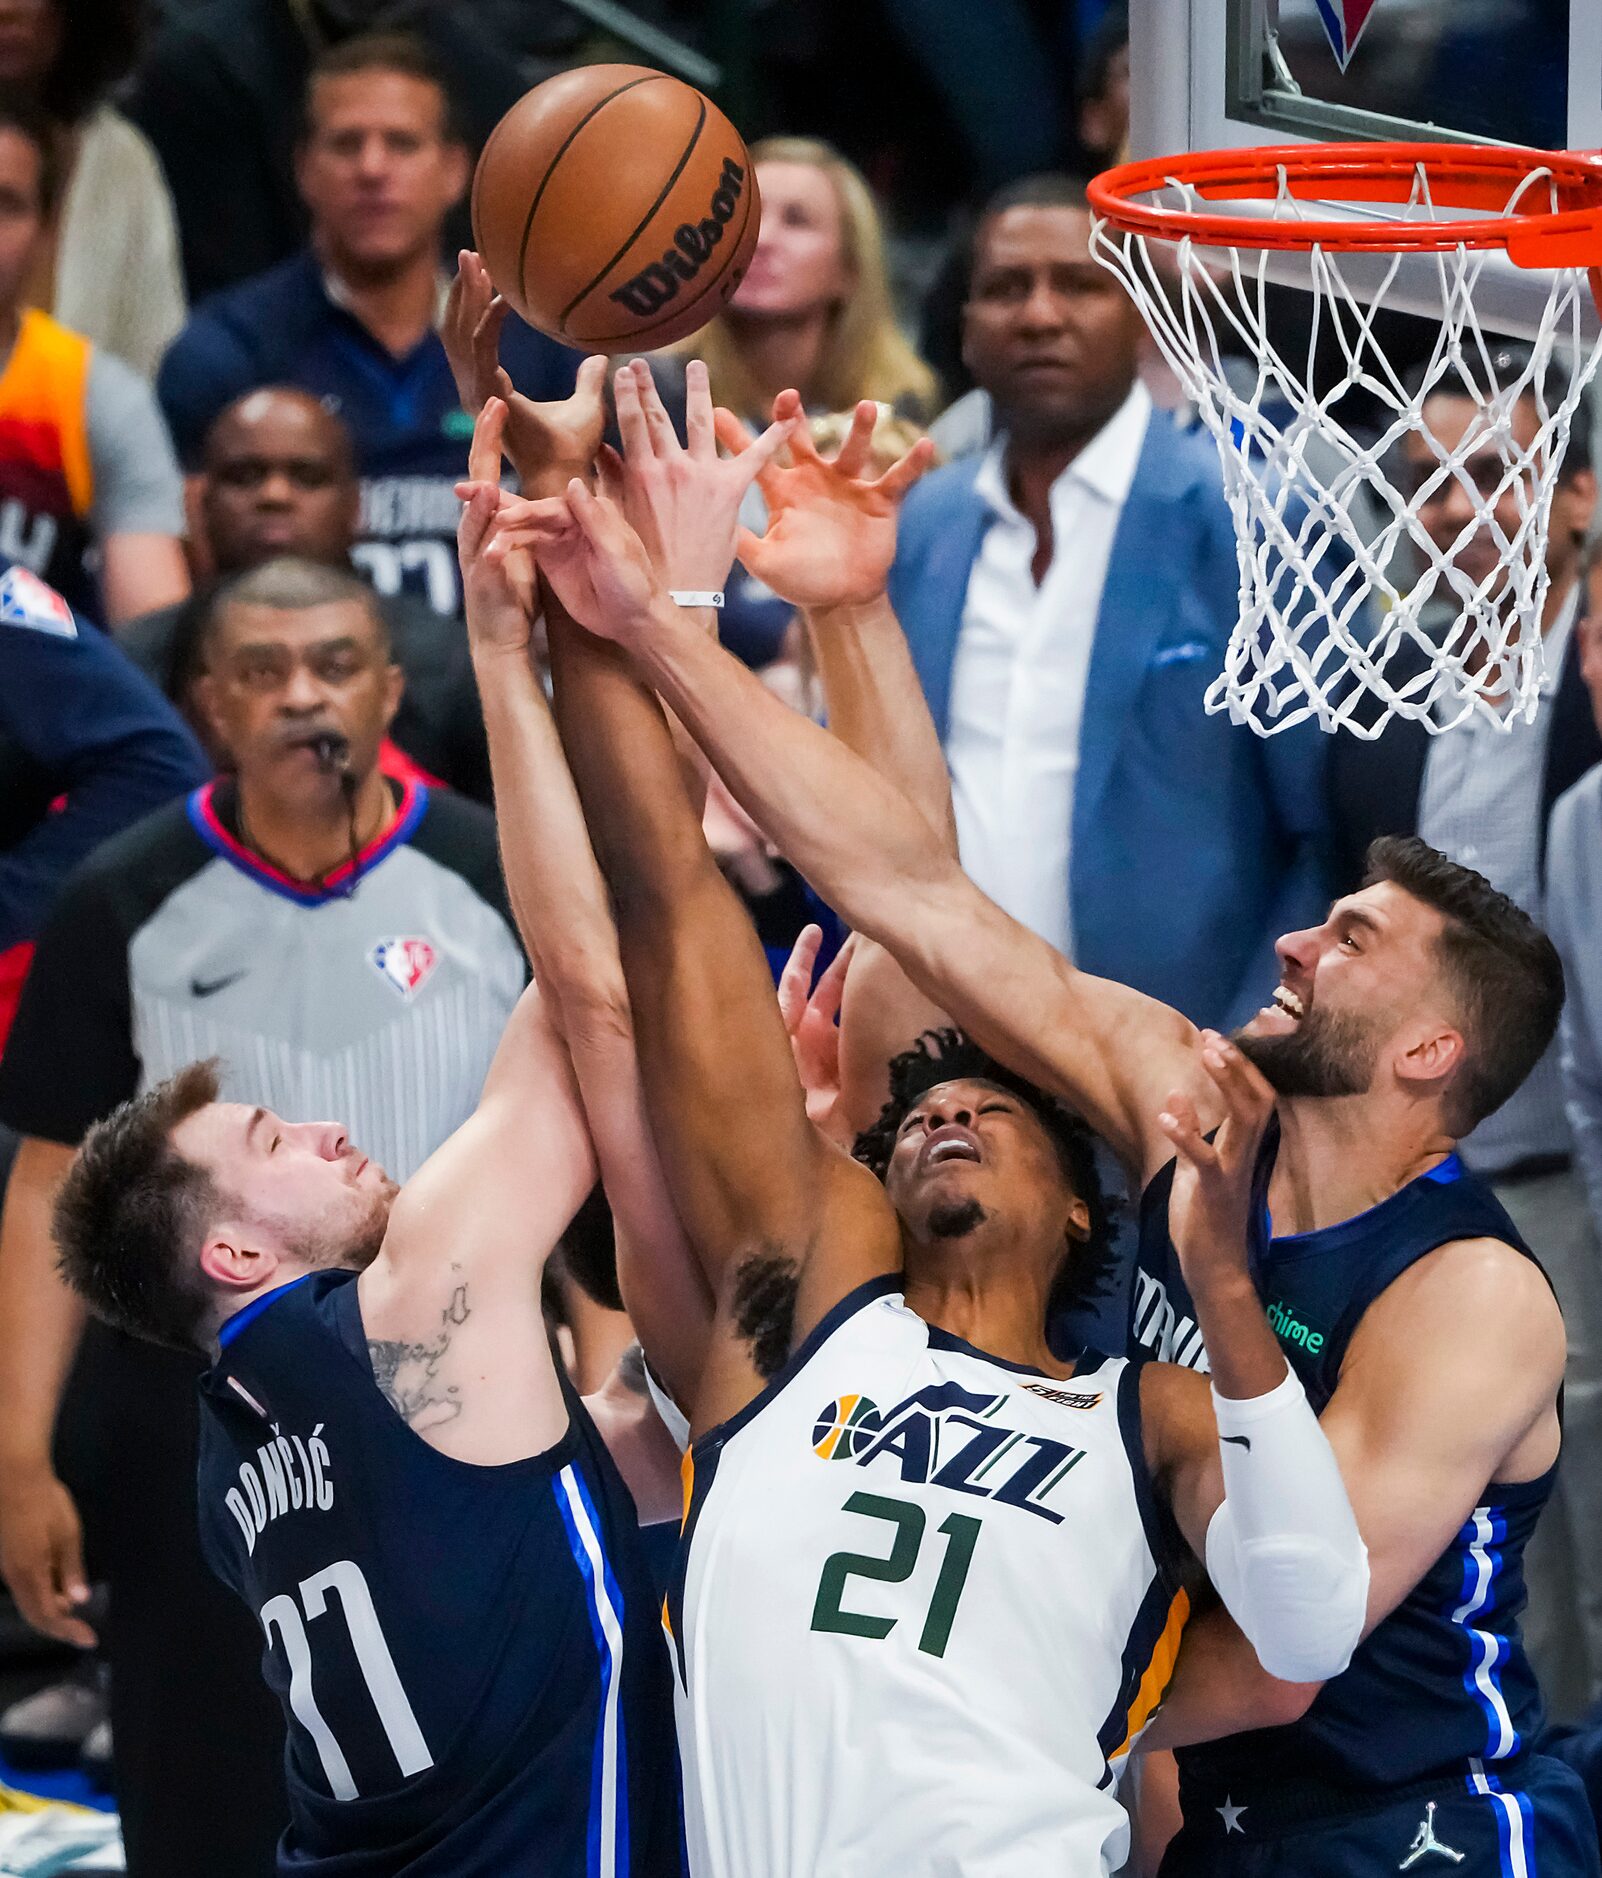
407	424
1443	1682
470	1659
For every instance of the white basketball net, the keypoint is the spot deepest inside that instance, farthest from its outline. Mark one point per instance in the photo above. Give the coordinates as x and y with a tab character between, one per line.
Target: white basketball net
1344	598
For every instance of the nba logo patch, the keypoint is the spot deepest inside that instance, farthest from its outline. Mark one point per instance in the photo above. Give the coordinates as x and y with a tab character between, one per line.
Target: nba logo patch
25	600
404	964
1344	21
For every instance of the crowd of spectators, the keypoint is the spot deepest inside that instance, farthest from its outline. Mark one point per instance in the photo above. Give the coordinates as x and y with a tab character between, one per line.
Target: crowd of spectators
244	789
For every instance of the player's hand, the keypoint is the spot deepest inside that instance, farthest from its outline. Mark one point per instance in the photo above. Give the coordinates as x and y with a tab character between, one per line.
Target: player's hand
41	1554
831	533
812	1020
1209	1209
547	443
683	503
594	562
497	576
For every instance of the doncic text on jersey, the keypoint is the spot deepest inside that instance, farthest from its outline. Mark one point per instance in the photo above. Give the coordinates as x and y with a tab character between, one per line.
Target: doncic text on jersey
286	1475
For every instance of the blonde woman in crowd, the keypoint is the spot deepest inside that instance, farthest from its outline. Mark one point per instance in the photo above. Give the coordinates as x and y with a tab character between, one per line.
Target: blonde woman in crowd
813	312
814	309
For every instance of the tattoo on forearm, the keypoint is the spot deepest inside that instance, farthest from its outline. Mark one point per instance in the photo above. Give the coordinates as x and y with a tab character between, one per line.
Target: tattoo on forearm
407	1372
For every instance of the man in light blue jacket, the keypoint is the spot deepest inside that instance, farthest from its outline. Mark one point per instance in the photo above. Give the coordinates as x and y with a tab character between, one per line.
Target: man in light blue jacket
1068	597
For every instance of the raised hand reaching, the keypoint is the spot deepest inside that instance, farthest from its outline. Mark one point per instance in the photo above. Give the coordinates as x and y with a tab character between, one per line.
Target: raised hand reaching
547	443
831	533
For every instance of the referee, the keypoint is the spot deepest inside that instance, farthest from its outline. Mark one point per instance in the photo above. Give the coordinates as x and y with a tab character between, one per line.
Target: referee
342	944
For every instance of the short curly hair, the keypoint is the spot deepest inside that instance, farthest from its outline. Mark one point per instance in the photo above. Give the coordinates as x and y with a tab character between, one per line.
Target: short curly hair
941	1056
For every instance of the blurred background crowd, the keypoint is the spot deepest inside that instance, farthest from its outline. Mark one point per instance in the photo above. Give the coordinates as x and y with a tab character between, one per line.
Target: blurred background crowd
229	435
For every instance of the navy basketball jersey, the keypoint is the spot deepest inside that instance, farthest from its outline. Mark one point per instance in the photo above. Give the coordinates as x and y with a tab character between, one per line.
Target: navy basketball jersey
470	1659
1443	1683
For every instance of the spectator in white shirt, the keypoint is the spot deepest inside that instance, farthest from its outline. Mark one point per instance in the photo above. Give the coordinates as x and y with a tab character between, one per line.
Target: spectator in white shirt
1068	597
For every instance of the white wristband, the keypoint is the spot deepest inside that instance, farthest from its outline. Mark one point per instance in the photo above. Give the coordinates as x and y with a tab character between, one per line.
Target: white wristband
681	596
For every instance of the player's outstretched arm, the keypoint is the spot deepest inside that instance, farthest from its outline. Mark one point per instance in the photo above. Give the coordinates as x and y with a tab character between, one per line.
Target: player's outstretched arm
1252	1479
451	1305
1111	1052
827	549
561	905
777	1212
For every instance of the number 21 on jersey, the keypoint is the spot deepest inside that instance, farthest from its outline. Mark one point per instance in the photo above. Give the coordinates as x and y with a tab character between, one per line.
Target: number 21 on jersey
960	1533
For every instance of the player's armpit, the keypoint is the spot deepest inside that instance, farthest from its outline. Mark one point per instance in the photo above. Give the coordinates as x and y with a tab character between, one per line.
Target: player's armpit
759	1193
451	1305
1450	1383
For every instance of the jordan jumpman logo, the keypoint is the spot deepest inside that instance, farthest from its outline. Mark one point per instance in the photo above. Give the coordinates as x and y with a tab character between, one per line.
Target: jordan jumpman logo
1424	1840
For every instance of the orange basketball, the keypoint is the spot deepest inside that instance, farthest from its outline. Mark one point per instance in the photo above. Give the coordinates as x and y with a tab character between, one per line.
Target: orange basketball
615	207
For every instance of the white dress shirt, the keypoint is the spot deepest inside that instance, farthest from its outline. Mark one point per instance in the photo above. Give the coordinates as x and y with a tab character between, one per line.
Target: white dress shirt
1480	803
1018	681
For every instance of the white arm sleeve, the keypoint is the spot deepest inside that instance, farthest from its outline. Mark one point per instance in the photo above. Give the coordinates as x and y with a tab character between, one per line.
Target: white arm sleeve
1283	1550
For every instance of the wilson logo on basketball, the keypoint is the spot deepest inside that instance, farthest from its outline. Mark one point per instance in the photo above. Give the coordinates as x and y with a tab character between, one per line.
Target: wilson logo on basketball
659	281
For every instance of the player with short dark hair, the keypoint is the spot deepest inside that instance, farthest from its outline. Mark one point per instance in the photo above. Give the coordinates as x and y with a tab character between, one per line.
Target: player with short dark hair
940	1056
394	1474
1027	1503
1398	1288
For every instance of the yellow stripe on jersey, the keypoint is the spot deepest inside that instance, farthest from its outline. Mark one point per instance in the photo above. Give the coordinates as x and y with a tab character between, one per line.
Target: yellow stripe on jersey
1159	1672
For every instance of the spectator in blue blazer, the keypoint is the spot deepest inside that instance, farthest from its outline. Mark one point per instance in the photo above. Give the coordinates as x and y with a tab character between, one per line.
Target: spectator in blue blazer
1068	596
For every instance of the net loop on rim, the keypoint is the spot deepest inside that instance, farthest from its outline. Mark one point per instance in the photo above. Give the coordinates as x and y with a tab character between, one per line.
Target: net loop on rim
1377	580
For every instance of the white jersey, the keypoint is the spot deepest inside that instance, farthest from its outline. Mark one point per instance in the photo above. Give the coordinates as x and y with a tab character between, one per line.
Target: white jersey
924	1606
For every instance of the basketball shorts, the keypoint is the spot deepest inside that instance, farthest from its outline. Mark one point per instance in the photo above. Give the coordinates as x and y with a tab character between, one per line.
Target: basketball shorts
1531	1820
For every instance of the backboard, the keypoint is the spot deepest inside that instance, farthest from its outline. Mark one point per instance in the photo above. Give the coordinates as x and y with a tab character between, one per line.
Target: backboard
1213	74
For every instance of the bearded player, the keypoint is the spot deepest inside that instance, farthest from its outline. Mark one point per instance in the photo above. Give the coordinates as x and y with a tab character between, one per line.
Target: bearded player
928	1594
394	1474
1399	1291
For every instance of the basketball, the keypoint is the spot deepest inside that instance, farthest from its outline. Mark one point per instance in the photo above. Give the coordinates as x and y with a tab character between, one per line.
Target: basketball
615	207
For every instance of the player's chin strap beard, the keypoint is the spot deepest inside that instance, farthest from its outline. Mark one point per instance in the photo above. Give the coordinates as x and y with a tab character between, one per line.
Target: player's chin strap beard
955	1219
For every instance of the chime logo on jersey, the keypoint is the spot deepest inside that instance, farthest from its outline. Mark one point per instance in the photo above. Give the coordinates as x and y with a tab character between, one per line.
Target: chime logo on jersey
404	964
948	1436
